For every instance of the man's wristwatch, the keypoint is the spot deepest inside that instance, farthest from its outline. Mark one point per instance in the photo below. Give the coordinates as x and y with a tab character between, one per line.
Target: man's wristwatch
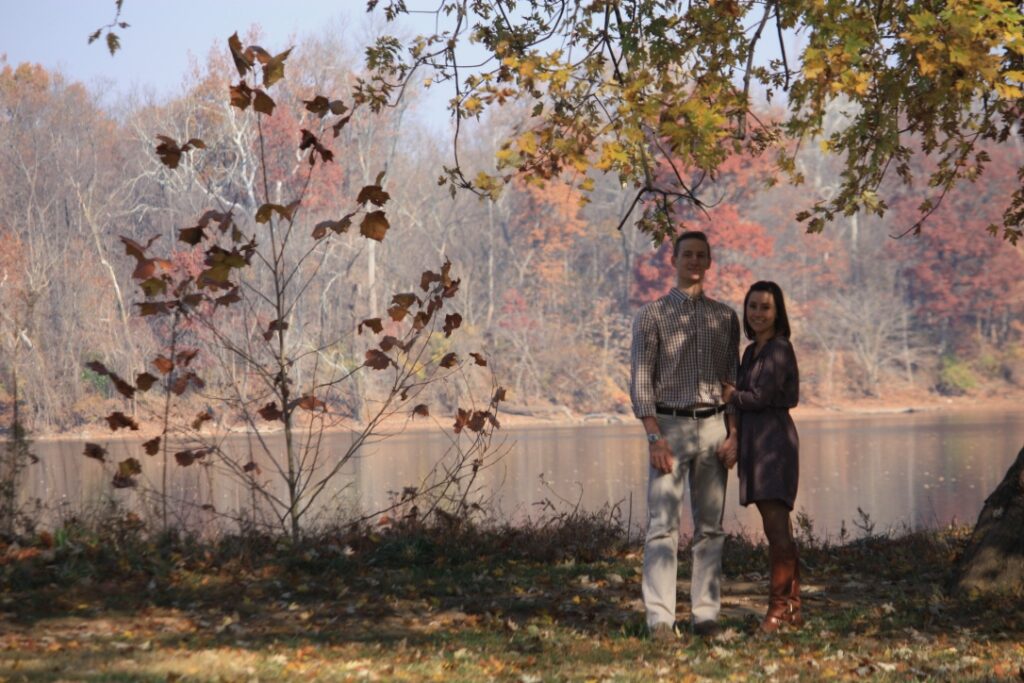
654	438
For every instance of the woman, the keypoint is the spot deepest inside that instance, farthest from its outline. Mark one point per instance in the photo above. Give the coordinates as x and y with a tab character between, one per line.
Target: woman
767	387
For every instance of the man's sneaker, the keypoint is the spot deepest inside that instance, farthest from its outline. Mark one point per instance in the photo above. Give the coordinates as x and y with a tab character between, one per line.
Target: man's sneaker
662	633
707	629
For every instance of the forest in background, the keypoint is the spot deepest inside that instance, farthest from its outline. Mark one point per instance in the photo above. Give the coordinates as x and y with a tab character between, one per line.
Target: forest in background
549	283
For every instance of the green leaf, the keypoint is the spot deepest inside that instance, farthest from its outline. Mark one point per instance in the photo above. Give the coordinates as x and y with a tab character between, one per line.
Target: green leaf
273	70
215	276
153	286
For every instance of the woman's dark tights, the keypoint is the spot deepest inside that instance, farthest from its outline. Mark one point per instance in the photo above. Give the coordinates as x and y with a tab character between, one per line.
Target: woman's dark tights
777	526
784	567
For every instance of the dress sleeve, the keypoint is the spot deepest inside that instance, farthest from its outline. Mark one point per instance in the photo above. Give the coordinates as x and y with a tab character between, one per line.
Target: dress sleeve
772	382
643	358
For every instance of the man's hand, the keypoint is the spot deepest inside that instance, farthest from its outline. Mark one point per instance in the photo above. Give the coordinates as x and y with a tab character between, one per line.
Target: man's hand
661	456
727	391
728	451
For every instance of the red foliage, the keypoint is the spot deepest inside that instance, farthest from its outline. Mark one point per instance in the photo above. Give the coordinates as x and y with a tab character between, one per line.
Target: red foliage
956	275
737	245
515	312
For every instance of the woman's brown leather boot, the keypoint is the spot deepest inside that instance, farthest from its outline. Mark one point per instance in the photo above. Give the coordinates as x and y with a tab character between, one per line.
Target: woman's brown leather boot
784	591
794	615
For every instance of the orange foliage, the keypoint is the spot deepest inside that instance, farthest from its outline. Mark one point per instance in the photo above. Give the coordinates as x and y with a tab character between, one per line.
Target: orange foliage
547	221
737	245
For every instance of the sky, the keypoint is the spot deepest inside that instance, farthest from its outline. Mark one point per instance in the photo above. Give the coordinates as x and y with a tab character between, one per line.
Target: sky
165	34
155	49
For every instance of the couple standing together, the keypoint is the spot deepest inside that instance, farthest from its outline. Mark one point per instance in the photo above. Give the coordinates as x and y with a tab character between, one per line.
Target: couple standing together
702	415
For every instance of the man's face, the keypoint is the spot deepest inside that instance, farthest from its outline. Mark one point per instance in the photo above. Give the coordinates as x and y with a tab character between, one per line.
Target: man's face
691	261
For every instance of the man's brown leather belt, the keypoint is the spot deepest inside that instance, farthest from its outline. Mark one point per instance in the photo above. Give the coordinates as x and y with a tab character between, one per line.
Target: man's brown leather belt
692	413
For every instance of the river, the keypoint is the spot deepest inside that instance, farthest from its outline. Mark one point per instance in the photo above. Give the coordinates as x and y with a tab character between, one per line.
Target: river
910	470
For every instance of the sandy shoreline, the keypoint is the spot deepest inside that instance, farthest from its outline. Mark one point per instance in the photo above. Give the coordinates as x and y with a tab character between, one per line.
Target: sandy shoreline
562	417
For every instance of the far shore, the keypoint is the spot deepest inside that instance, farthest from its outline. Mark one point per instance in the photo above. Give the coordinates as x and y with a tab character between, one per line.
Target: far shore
517	417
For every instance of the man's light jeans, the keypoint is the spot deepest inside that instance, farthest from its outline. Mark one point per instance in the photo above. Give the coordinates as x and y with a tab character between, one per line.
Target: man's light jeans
693	443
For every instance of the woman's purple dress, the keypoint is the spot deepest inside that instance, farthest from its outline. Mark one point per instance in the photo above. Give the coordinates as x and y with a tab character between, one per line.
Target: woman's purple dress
767	387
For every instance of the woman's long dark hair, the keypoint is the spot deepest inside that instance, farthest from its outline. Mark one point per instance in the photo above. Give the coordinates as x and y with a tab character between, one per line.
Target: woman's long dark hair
781	319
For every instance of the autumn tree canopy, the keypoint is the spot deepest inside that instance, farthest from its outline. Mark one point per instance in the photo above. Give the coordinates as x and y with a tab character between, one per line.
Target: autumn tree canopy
625	87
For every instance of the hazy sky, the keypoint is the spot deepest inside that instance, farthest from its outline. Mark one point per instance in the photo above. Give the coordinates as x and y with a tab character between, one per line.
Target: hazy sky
155	49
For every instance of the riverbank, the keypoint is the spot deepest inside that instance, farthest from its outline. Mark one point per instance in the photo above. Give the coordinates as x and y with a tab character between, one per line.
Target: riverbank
557	601
530	417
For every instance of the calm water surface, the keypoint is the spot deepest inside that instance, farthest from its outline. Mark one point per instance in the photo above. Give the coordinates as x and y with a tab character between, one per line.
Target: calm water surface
918	470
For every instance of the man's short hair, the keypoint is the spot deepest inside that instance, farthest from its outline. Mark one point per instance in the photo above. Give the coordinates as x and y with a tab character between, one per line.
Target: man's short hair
691	235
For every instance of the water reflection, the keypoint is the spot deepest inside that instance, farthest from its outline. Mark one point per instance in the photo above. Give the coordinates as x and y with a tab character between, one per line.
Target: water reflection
918	470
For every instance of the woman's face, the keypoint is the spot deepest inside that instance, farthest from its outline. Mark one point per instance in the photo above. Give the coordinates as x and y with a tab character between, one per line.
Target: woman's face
761	314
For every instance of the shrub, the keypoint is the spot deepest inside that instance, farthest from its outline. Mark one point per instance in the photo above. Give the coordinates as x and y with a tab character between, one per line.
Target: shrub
955	377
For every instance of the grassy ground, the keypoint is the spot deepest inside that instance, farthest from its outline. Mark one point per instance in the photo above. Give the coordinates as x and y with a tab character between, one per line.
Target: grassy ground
555	601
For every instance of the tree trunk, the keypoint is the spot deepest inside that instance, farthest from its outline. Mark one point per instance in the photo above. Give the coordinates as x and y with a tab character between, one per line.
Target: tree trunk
994	559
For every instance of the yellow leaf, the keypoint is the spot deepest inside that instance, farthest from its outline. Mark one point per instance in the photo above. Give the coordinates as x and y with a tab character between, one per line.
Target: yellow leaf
527	143
870	199
1008	92
561	77
611	153
861	81
814	66
924	65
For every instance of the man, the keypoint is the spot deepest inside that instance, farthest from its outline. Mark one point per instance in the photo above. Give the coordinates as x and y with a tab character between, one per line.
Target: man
684	346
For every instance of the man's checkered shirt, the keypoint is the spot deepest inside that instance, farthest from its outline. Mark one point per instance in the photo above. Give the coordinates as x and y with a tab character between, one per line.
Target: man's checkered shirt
683	348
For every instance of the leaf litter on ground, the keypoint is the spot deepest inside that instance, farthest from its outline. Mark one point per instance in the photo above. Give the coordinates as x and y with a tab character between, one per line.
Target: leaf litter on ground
472	605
